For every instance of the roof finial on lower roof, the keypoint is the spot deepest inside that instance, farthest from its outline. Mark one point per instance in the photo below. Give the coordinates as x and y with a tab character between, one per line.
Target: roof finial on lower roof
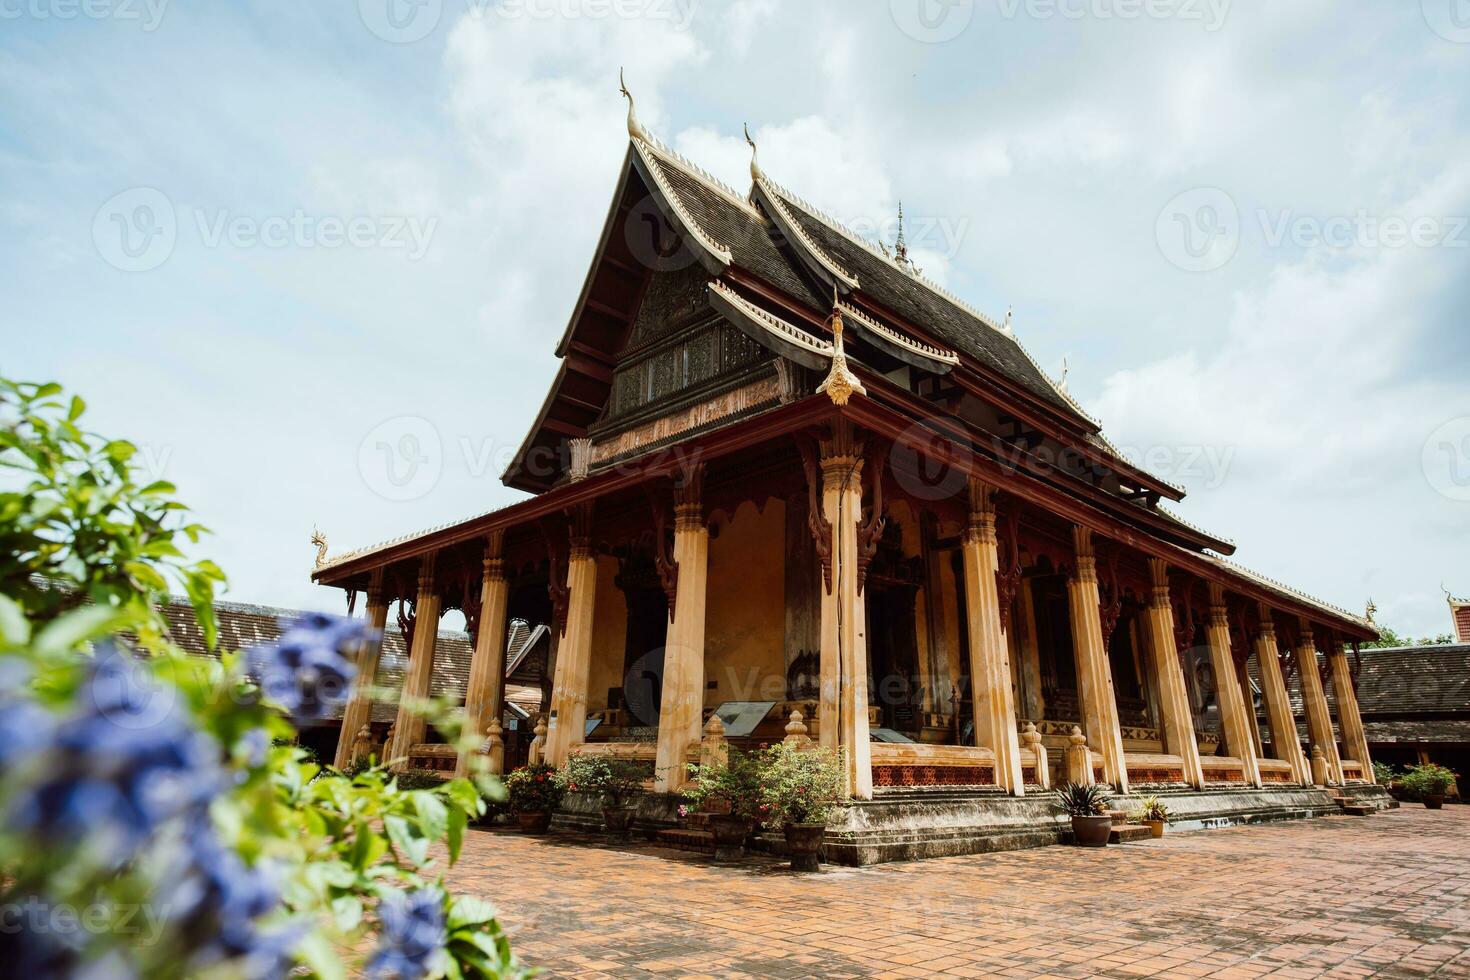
840	384
635	128
1062	385
1006	327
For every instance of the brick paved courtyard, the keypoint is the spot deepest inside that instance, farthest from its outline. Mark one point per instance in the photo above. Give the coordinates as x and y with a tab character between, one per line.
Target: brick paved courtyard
1387	895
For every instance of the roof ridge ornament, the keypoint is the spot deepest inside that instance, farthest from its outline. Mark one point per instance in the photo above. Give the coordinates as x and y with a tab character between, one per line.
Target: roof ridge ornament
1370	610
756	173
1006	327
840	384
1062	384
635	128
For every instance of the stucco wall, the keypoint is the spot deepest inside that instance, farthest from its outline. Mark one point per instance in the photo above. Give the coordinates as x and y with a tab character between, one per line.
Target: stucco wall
744	645
609	635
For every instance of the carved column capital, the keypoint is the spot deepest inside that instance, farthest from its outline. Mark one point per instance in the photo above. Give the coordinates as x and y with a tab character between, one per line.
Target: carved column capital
377	590
1158	572
981	523
493	564
1084	555
426	572
688	500
580	531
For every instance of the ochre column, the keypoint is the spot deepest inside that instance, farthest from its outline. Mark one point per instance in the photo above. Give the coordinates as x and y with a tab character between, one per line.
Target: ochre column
359	710
1314	698
1243	678
681	714
485	694
409	729
1033	705
990	662
574	655
1286	744
1178	720
1354	738
1094	671
844	660
1230	698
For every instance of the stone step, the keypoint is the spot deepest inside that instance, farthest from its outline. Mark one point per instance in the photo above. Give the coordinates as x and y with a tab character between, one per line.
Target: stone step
684	839
1124	833
1356	809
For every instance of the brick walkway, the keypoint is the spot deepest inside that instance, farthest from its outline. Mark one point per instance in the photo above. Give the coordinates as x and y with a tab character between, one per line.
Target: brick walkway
1387	895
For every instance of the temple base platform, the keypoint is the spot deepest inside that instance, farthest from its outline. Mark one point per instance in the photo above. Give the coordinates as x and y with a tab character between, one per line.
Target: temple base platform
911	824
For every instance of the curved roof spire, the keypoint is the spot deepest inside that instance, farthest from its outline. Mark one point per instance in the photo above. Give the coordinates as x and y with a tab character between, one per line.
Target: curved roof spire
1006	327
635	128
1062	384
755	168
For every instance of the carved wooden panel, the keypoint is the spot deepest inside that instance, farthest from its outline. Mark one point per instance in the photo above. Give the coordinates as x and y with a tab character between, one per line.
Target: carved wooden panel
921	775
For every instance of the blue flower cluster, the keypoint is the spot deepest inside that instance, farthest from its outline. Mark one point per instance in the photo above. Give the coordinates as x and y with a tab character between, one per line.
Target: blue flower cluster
307	670
413	935
125	761
216	900
127	772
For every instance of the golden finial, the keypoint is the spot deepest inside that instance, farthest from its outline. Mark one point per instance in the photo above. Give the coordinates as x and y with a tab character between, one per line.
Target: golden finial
320	540
635	128
755	168
1370	611
840	384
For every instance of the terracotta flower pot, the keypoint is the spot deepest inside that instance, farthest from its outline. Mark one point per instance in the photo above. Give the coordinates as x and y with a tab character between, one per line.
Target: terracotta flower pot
803	844
1092	831
729	832
1155	827
618	819
534	821
1433	801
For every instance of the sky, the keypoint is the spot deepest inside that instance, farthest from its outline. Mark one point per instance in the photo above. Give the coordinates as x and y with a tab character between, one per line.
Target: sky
314	258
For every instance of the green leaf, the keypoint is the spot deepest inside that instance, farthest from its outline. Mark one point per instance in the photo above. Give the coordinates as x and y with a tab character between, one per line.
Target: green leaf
347	911
415	848
15	631
468	910
432	813
77	408
457	823
119	450
316	952
87	623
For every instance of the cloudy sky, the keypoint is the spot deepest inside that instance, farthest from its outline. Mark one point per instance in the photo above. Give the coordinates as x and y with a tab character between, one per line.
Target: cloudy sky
271	242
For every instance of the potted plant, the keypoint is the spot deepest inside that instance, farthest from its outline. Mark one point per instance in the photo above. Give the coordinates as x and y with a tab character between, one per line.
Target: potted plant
1384	775
1088	807
612	778
801	789
1155	813
535	793
731	795
1429	783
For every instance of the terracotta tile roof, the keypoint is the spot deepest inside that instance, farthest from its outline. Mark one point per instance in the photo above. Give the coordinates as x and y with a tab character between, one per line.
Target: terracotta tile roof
1415	681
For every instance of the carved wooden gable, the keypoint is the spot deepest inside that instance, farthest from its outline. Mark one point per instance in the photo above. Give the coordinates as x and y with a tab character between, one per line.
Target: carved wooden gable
678	348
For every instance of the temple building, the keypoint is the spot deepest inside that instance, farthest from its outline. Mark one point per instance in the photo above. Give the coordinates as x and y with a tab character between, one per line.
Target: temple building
783	480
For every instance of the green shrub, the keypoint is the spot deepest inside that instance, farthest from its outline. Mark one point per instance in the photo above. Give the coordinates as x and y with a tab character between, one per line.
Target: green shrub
1383	773
737	783
1427	780
801	787
614	779
535	789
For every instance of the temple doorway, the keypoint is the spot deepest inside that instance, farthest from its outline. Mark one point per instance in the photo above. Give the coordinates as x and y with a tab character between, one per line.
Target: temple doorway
893	658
